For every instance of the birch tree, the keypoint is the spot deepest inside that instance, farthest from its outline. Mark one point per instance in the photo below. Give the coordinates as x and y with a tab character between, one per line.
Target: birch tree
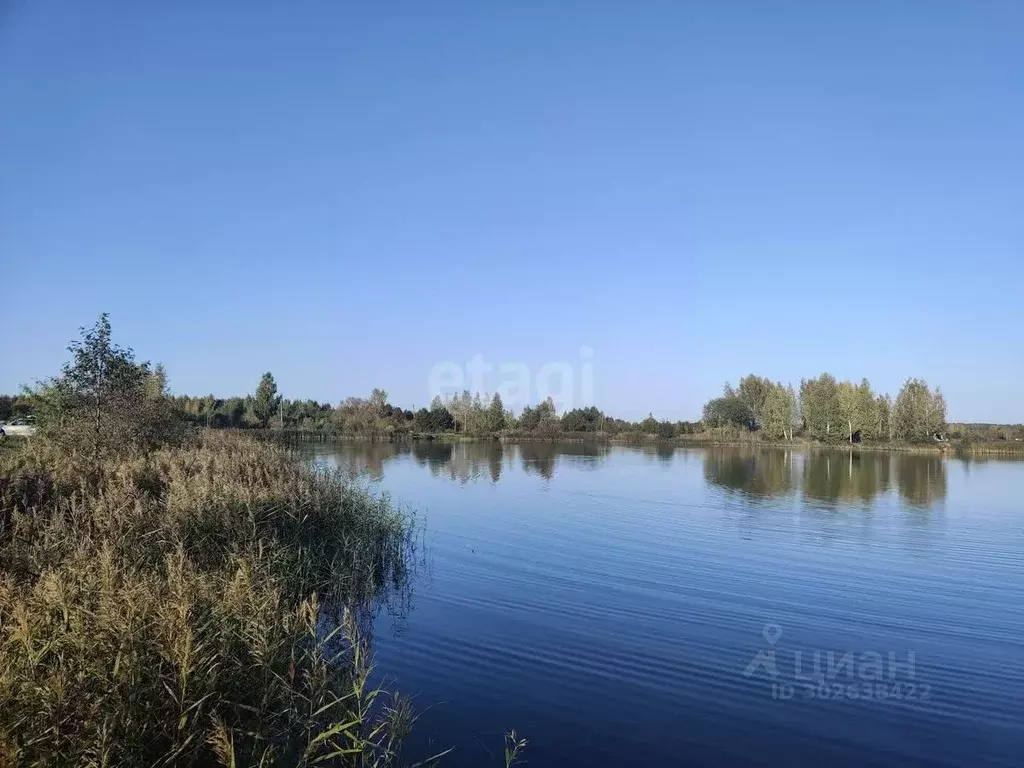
773	413
819	399
918	413
792	410
849	406
856	405
755	392
883	417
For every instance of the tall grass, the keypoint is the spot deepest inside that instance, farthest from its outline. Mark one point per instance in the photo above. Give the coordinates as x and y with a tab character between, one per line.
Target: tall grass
192	605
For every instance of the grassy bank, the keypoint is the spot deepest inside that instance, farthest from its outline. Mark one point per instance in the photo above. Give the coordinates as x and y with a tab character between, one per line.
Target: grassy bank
187	606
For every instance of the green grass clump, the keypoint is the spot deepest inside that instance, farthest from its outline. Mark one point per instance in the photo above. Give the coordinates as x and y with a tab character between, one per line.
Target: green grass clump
194	604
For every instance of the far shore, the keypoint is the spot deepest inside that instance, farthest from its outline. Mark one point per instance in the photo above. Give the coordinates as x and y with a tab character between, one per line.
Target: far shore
990	448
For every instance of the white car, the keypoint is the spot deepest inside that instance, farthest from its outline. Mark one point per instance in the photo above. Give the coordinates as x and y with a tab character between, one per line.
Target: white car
21	427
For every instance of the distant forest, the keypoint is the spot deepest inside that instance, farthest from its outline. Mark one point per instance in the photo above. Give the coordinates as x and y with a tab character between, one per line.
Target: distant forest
821	409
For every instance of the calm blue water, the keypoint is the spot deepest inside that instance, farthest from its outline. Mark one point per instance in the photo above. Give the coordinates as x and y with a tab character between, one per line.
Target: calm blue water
610	605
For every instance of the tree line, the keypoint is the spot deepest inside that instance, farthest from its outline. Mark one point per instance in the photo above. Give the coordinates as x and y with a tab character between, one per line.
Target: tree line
829	410
463	413
822	408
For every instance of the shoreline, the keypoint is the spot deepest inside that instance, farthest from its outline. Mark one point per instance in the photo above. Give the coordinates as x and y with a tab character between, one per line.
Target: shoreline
941	449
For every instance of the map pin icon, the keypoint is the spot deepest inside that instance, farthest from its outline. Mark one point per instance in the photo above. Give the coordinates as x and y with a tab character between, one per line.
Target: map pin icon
772	633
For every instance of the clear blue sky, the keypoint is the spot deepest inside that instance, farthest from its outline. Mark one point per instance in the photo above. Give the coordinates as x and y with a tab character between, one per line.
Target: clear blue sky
348	194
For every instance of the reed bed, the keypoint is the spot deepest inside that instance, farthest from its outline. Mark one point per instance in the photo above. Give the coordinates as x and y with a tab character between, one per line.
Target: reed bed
193	605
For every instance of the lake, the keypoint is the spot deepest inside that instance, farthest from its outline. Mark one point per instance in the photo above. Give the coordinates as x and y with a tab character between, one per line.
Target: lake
707	606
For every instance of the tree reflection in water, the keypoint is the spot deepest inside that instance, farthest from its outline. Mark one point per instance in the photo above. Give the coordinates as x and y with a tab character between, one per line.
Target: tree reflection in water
829	478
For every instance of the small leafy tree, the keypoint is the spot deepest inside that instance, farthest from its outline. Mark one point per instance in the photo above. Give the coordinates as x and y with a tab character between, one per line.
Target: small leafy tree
379	401
265	401
728	410
441	419
756	393
866	406
548	420
156	382
104	401
496	414
918	413
583	420
529	418
883	418
793	415
849	408
776	420
819	399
